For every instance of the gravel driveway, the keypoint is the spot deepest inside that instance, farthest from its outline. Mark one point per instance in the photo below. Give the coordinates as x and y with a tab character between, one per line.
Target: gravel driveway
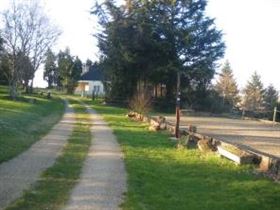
103	179
17	174
257	135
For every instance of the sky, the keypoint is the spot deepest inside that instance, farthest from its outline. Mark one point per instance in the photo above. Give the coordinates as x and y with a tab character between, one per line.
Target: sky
251	31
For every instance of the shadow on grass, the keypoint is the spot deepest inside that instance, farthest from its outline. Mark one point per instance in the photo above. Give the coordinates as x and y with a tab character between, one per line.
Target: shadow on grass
159	183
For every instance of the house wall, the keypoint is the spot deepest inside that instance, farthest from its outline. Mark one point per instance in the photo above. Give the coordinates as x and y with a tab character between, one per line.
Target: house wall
86	88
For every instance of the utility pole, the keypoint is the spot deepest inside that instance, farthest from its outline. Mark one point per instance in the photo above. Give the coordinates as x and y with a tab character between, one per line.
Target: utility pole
178	99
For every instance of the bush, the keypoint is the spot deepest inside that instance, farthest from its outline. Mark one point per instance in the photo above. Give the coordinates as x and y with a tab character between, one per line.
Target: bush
141	103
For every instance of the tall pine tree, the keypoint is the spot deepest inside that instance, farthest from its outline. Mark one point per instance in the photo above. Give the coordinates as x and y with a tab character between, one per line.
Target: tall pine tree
270	97
227	87
65	67
254	94
50	68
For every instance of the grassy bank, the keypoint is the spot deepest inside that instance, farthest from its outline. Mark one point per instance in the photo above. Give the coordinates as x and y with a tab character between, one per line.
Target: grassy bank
53	189
22	123
162	177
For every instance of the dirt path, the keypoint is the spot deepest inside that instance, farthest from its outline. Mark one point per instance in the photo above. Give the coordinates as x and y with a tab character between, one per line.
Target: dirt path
17	174
103	179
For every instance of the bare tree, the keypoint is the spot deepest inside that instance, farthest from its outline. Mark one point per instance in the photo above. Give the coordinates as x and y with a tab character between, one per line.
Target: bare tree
27	29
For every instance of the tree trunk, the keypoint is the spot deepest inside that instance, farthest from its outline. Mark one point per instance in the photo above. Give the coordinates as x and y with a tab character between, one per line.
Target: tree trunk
156	92
13	90
31	86
49	84
25	86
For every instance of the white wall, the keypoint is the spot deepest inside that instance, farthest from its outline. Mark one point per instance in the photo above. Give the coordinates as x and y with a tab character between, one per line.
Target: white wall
96	83
90	88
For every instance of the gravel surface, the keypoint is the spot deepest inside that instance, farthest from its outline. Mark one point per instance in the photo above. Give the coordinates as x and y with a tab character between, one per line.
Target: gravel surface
19	173
103	180
257	135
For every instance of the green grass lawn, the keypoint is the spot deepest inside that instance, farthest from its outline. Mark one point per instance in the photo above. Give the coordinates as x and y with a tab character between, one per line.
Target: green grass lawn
22	123
162	177
52	190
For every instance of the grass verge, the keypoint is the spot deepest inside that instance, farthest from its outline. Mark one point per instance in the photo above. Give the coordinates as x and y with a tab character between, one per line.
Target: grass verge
162	177
52	190
23	123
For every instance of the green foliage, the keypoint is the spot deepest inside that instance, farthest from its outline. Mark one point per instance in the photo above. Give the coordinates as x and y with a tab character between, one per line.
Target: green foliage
53	189
270	98
208	100
70	70
50	69
76	73
23	123
4	69
151	41
227	87
25	69
161	177
254	94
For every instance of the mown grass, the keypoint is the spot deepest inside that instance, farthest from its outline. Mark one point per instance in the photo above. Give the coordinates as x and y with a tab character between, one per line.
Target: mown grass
161	177
22	123
52	190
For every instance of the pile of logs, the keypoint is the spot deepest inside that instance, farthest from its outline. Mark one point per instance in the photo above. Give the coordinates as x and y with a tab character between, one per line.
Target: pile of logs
156	124
135	116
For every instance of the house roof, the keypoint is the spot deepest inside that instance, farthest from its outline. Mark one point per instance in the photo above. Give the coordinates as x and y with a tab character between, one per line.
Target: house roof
94	74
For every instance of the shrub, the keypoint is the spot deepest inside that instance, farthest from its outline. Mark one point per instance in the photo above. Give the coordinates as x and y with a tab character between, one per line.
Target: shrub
141	103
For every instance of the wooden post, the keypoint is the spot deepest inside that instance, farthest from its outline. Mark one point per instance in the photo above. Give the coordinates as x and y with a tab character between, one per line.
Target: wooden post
243	114
178	99
274	115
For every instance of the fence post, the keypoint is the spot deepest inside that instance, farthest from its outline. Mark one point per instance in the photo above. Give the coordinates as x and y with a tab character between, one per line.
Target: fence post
177	125
274	115
243	114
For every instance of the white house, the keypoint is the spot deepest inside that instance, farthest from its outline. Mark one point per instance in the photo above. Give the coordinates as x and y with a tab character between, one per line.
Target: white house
91	82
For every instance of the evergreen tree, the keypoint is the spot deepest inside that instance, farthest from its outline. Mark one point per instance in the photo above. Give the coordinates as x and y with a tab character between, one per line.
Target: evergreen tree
227	87
270	98
89	63
150	41
50	69
75	74
254	94
69	70
65	65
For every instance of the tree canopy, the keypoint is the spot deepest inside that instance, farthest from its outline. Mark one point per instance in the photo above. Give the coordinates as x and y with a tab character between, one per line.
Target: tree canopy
50	68
26	31
150	41
69	70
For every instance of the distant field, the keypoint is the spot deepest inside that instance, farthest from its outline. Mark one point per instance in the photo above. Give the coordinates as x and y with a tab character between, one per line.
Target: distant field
22	123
